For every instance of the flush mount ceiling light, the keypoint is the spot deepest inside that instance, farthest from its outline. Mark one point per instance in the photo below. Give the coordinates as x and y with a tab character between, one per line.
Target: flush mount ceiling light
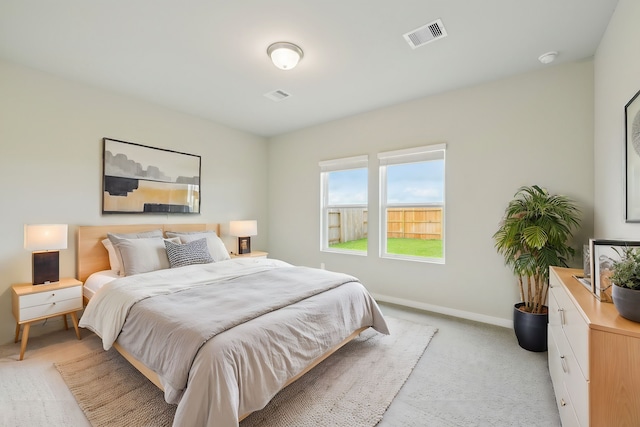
547	58
285	55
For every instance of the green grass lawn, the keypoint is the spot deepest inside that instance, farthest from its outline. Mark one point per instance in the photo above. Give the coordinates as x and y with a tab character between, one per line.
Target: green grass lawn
415	247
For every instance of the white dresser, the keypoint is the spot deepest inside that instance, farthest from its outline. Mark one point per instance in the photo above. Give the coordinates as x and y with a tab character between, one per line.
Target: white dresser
594	356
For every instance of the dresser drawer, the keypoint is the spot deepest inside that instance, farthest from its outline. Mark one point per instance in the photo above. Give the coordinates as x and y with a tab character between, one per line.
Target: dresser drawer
564	402
49	297
565	314
50	309
567	412
564	365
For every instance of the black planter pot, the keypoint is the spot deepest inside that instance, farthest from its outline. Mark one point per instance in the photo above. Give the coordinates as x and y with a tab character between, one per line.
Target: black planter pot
627	302
530	329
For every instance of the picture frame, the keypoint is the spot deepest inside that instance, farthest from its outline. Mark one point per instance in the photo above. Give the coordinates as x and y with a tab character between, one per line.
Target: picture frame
244	245
139	179
632	158
604	253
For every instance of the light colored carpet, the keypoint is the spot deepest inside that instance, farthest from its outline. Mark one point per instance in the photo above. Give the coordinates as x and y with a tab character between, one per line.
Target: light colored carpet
353	387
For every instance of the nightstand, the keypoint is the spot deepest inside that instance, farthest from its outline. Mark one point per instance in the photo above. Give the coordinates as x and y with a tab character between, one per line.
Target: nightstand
254	254
32	303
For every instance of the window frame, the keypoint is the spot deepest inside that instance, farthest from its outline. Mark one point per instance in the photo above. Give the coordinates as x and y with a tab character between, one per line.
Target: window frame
337	165
399	157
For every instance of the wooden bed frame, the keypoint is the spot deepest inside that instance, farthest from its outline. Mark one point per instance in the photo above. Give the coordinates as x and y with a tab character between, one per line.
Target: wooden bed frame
92	257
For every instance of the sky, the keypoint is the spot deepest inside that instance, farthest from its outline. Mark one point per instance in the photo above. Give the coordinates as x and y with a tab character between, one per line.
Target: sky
421	182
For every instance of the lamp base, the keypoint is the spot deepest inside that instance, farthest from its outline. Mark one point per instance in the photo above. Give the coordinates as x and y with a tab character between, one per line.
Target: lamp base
46	267
244	245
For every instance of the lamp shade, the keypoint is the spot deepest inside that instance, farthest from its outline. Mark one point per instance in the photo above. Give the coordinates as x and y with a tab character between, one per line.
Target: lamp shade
285	55
44	237
243	228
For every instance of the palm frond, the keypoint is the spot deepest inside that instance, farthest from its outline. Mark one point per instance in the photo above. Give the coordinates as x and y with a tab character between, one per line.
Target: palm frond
534	234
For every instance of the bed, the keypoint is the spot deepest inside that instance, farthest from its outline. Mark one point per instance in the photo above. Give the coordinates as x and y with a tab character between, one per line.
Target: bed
250	327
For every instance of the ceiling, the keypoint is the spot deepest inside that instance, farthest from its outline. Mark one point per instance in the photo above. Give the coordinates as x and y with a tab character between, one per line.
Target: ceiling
208	57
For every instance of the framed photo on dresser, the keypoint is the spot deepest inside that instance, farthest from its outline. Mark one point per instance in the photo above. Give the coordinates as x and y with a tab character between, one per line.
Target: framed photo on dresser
604	253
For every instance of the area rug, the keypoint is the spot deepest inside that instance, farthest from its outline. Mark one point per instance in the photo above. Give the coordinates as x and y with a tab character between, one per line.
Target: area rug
353	387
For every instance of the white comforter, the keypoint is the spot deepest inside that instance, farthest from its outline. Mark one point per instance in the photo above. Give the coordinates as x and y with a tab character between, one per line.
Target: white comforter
239	370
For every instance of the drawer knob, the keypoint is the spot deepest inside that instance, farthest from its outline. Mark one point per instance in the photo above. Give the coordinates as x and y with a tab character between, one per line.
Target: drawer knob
563	403
561	311
563	363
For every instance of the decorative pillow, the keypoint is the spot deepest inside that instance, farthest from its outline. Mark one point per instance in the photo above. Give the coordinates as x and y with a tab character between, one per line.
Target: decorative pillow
115	259
195	252
142	255
216	248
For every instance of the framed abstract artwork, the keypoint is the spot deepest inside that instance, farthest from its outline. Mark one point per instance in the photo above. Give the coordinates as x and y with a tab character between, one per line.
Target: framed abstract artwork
141	179
632	155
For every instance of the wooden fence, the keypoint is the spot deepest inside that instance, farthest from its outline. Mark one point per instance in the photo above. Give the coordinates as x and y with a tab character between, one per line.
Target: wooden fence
415	223
346	224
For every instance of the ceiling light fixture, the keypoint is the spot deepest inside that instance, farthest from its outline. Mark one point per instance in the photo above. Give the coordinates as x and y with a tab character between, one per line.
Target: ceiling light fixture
547	58
285	55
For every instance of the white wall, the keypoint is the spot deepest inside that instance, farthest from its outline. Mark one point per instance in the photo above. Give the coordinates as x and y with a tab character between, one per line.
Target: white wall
51	166
535	128
617	79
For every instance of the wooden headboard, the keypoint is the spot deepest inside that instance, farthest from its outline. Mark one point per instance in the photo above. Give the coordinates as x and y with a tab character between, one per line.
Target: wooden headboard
91	254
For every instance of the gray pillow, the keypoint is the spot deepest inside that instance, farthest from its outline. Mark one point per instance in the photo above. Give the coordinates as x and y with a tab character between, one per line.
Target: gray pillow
195	252
142	255
114	238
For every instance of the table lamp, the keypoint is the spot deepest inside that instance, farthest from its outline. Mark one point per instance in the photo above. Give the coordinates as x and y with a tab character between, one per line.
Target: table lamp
45	240
243	230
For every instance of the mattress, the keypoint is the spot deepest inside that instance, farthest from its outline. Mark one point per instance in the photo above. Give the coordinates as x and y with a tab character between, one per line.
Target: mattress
96	281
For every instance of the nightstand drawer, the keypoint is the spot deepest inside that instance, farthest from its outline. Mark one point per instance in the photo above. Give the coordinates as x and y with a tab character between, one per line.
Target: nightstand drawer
49	297
50	308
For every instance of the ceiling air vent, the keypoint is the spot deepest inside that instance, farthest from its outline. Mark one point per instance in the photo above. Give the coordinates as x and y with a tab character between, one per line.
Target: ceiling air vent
425	34
277	95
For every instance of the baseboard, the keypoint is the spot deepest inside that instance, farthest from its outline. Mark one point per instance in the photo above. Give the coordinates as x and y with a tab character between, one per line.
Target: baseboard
445	310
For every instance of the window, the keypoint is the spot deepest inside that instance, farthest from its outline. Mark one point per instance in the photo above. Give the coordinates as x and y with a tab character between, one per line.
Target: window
412	203
344	194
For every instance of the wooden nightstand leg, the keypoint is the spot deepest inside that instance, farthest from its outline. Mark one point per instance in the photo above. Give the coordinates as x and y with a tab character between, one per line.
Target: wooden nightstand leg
66	325
17	332
74	318
25	338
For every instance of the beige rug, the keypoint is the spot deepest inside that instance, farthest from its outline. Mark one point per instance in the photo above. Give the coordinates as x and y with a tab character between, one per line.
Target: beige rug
351	388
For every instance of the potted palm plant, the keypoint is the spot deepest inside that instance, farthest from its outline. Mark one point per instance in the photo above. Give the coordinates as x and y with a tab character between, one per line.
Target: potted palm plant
533	235
625	276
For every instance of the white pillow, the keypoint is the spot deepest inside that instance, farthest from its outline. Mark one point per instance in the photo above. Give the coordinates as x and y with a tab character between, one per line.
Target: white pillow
114	256
143	255
115	259
216	247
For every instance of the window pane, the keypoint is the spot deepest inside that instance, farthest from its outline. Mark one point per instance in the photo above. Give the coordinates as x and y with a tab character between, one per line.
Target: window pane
421	182
348	187
345	212
414	210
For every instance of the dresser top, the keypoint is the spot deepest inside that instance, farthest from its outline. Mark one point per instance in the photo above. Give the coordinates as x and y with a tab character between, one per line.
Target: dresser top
599	315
